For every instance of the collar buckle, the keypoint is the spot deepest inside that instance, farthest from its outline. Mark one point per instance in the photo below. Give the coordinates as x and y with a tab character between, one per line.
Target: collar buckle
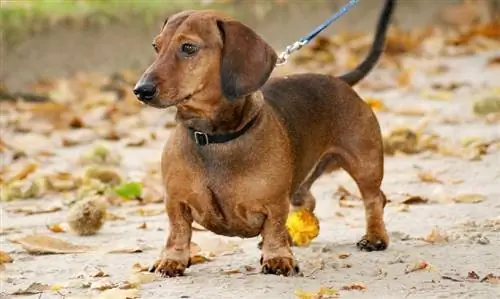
201	138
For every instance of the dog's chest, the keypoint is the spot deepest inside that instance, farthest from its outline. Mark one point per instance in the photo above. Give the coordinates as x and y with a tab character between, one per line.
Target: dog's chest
231	210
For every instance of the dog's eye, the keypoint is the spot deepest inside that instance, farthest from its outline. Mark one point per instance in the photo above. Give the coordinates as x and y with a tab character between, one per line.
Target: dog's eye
188	49
155	46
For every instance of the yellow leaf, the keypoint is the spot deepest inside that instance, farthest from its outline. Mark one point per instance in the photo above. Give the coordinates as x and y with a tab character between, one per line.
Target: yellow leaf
375	104
56	228
303	226
428	177
198	259
5	258
440	95
56	287
322	293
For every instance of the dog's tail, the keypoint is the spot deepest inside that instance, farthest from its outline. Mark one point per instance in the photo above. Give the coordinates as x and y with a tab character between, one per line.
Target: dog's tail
377	48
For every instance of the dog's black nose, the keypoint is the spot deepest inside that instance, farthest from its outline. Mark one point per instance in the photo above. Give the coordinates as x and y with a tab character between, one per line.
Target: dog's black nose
145	91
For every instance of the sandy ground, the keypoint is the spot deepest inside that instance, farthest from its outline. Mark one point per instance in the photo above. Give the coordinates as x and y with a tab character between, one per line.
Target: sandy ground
473	229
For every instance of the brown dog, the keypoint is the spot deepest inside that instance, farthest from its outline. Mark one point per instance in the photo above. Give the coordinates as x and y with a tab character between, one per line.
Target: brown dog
245	147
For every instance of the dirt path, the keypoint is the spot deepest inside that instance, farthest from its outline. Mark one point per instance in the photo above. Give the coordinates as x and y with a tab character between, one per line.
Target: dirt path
472	229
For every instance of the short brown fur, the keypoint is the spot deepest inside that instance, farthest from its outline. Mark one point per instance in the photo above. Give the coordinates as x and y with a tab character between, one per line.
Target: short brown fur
305	124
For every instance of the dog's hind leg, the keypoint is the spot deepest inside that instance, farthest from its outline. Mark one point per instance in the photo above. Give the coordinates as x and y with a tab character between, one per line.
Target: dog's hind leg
303	196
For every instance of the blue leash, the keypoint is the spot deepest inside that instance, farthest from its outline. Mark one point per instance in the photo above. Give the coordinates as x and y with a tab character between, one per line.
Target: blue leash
282	59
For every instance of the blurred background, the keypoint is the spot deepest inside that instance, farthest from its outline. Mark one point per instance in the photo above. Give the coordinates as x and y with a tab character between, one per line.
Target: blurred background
47	38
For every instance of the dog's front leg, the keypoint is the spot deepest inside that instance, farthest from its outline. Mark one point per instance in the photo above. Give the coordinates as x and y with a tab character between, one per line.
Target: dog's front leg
174	258
277	257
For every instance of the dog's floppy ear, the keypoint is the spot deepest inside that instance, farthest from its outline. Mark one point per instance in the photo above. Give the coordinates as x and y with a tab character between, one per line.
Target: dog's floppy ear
247	60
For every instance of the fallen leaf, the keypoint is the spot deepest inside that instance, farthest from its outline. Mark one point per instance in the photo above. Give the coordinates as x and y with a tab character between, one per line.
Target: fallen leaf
32	289
469	198
143	226
150	212
410	111
343	255
303	226
33	210
119	294
41	244
56	228
436	236
62	181
113	217
418	266
448	277
198	259
487	105
137	267
5	258
472	276
24	172
129	190
322	293
126	250
355	286
493	61
415	200
490	278
102	285
139	278
428	177
375	104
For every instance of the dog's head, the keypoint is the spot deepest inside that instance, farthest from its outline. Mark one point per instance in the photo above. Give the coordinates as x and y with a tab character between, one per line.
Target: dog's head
204	56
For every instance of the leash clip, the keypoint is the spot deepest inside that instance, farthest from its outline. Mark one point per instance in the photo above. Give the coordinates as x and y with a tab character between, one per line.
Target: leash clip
283	57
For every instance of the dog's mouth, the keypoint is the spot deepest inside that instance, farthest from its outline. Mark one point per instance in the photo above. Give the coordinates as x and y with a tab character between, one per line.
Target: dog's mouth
162	105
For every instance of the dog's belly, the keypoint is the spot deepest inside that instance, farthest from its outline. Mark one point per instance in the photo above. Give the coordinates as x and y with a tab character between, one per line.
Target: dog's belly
236	222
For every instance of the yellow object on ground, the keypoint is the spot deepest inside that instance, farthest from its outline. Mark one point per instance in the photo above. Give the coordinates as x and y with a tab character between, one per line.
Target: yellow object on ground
303	226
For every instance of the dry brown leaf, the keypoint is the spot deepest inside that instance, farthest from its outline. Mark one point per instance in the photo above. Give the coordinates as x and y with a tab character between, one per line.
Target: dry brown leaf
198	259
32	289
5	258
24	172
418	266
343	255
33	210
493	61
359	286
41	244
472	275
56	228
142	226
469	198
436	236
490	278
428	177
414	200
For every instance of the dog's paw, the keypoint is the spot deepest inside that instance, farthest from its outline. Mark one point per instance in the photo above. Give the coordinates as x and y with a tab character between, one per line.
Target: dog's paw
168	268
377	244
280	266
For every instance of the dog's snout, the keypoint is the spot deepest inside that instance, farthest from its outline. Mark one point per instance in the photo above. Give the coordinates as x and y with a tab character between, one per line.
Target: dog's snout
145	91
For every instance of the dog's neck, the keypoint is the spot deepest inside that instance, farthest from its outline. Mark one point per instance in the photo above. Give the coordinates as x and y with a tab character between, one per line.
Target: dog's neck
223	117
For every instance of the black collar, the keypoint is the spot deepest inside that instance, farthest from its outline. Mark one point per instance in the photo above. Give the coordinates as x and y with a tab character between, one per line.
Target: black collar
203	139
